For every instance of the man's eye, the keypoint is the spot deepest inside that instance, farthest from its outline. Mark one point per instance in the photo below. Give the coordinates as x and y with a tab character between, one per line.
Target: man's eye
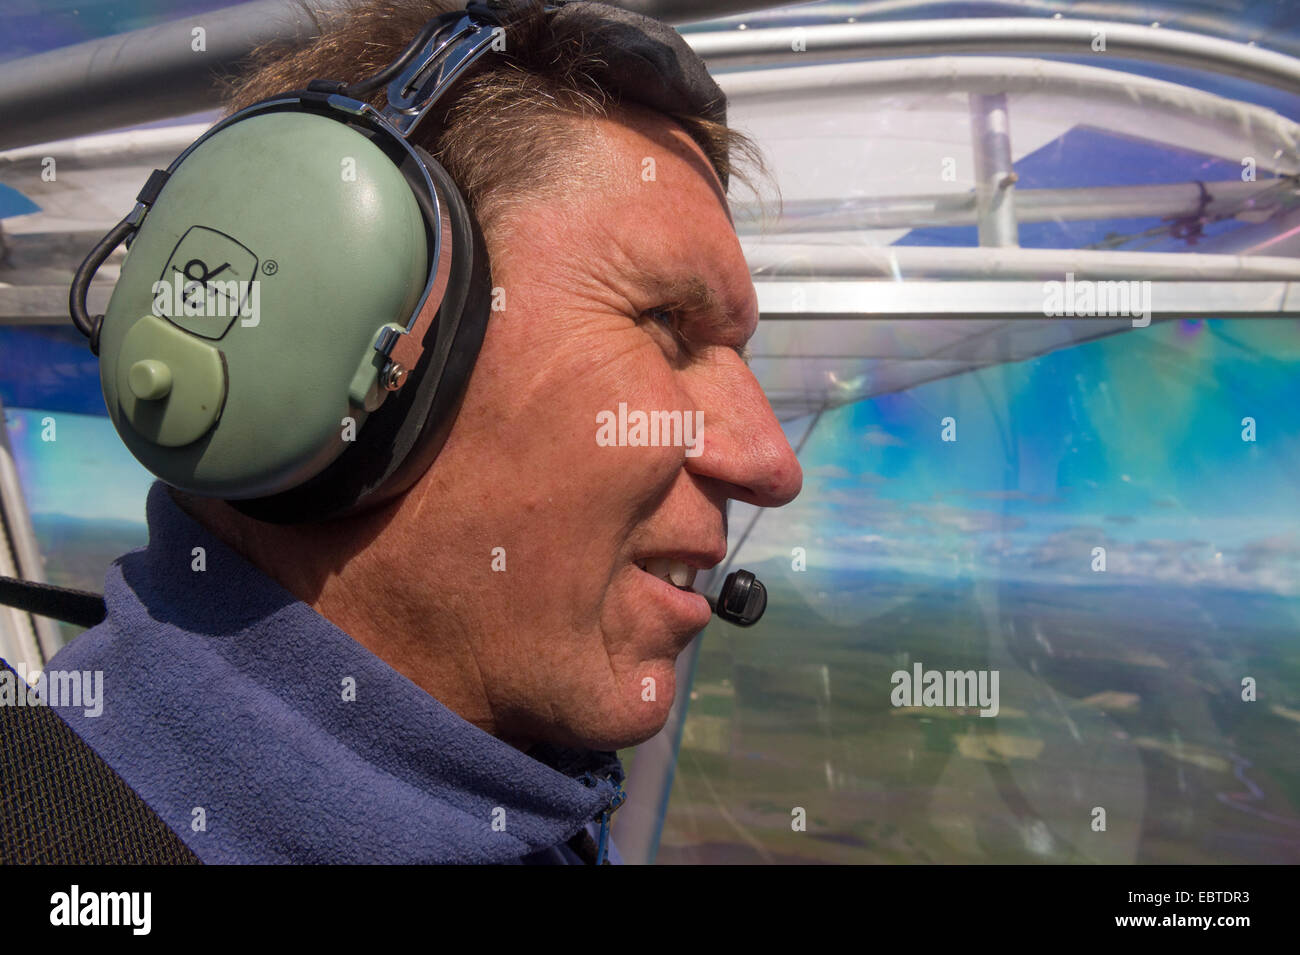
665	315
670	317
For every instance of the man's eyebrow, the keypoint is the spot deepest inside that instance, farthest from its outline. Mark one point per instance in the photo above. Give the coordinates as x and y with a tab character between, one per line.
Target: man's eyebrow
692	293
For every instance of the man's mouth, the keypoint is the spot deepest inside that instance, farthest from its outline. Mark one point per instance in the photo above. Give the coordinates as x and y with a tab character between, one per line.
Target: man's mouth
678	573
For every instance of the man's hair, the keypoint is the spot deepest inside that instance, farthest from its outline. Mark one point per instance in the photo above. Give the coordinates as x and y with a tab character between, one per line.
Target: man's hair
508	131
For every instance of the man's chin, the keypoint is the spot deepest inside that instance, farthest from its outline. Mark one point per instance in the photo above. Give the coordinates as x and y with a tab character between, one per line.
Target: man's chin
626	738
630	727
616	719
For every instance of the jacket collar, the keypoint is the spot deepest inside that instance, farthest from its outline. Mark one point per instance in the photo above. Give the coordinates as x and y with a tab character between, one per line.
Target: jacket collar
261	732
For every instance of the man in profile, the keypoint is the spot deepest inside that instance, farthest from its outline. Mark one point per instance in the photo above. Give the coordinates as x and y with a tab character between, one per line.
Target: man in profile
446	678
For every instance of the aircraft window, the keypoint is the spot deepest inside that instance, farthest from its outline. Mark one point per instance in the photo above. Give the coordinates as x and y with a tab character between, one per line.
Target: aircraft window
84	491
27	29
1112	530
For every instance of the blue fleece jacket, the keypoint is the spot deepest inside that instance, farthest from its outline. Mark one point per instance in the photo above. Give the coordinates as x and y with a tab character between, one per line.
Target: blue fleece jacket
225	707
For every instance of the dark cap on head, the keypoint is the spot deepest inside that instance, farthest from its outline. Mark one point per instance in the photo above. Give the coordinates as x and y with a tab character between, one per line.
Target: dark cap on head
649	62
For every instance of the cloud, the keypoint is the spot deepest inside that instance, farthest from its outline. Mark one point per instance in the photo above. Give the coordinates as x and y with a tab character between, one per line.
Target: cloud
854	526
880	438
964	519
832	472
1267	551
1067	548
1012	495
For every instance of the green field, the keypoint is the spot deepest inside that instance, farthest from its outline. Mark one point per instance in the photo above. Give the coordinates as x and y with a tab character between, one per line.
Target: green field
1127	699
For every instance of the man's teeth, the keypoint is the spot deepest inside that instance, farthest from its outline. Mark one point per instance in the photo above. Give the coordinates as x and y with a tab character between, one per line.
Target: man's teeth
676	572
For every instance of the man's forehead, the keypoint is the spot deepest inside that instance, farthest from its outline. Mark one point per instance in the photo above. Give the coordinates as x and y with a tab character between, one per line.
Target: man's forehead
639	140
678	231
646	200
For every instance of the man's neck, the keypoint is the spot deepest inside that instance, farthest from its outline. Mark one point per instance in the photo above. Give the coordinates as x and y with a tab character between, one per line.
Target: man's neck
345	584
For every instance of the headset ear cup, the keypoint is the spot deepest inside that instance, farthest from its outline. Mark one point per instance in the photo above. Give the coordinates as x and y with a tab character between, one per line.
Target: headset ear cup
401	439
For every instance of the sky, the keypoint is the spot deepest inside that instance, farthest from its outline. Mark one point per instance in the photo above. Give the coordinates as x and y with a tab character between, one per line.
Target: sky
1133	443
85	472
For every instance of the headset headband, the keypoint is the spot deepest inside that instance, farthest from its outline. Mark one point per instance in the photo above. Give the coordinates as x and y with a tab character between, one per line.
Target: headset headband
457	42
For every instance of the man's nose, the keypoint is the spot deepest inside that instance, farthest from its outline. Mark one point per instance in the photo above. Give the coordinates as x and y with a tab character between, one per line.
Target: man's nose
742	443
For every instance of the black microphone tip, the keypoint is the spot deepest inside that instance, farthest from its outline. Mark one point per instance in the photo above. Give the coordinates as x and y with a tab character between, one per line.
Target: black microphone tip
742	600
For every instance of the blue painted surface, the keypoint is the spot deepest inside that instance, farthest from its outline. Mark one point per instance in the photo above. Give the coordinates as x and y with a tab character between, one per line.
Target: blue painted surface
14	203
1086	157
50	368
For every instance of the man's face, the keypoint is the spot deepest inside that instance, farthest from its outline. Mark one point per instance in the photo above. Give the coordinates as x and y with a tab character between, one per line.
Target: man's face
573	642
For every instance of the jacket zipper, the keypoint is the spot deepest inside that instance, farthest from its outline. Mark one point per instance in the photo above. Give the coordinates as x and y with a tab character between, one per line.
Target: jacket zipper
616	799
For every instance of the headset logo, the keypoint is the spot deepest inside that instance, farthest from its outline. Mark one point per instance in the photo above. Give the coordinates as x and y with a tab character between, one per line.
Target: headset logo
210	275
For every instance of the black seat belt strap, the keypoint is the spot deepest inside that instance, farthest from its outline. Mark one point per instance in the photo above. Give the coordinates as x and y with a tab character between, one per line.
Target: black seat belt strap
80	607
61	804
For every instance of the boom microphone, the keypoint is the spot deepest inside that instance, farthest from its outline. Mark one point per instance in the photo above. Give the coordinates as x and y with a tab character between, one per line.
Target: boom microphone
742	600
